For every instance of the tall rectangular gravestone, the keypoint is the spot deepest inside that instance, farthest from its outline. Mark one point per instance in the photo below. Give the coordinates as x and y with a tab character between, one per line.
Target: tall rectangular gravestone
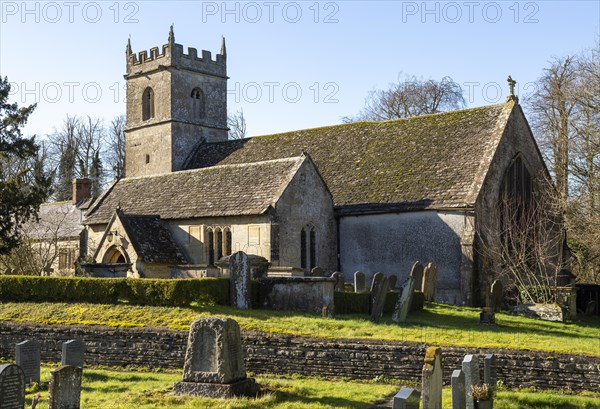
360	282
430	282
432	381
459	396
28	358
64	390
407	398
417	274
240	279
404	301
377	277
489	369
470	367
12	387
214	362
378	296
496	295
73	352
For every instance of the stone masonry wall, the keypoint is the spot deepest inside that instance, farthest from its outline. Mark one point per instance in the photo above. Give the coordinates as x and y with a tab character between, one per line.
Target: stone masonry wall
268	353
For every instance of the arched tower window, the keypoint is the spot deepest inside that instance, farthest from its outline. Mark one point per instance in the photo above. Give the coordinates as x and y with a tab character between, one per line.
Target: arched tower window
198	104
148	104
308	247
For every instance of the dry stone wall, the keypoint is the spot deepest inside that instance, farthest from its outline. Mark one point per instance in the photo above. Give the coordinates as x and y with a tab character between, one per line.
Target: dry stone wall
269	353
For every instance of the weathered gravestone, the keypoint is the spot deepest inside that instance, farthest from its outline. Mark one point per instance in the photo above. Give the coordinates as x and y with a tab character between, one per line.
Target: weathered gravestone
459	394
240	279
72	353
360	282
214	363
489	369
417	274
378	296
317	272
590	309
12	387
393	280
404	301
496	294
470	367
430	282
339	281
432	382
28	358
487	316
64	390
407	398
377	277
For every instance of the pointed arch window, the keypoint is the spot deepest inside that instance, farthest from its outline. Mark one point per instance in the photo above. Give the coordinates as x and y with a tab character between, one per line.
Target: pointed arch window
147	104
198	103
308	247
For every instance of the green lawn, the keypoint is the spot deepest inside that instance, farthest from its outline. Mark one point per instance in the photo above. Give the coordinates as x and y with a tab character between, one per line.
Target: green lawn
124	390
437	324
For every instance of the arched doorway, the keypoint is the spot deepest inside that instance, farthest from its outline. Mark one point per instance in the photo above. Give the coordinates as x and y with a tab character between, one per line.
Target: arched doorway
114	255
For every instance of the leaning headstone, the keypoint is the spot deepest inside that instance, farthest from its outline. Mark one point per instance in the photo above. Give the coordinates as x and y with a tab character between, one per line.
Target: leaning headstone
64	390
339	281
430	282
489	369
378	296
214	362
407	398
360	282
12	387
240	278
317	272
496	294
432	382
417	274
377	277
459	394
404	301
28	358
72	353
470	367
393	279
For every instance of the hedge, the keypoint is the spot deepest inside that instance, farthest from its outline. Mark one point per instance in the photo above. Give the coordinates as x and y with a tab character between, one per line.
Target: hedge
114	290
360	303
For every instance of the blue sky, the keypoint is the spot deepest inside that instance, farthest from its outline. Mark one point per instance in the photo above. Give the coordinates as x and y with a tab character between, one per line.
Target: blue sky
292	65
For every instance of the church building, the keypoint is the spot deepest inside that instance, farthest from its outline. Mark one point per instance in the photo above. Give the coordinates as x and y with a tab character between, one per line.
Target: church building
365	196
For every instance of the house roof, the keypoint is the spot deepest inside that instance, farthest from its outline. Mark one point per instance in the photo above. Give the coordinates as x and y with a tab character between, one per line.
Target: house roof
151	240
433	161
228	190
57	221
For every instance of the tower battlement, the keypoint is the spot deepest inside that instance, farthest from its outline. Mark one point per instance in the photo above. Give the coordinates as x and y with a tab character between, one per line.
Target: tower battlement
173	55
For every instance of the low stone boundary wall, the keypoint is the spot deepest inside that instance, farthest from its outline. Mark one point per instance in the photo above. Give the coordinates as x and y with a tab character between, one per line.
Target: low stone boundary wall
271	353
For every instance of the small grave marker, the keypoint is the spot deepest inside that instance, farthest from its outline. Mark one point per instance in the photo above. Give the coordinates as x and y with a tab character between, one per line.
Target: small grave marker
64	390
28	358
72	353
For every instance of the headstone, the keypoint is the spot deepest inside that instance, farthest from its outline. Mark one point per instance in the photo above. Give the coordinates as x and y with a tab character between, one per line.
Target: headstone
393	279
496	294
28	358
487	316
417	274
240	278
459	394
72	353
378	296
214	362
339	281
377	277
12	387
64	390
317	272
470	367
432	382
407	398
360	282
430	282
404	301
489	369
590	309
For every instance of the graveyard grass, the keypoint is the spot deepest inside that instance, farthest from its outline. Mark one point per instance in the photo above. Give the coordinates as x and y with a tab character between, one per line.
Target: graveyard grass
437	324
124	390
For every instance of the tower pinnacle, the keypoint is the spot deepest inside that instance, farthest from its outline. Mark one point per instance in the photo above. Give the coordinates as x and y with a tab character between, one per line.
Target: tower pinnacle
171	36
223	48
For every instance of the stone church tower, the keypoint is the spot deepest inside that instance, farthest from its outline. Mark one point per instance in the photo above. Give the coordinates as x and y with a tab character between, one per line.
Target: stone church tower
174	102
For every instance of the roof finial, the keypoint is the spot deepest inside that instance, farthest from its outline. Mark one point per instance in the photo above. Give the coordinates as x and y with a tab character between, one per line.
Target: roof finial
223	48
511	90
171	35
128	50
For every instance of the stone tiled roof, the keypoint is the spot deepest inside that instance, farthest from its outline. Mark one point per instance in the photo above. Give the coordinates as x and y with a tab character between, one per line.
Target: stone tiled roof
432	161
229	190
60	220
151	240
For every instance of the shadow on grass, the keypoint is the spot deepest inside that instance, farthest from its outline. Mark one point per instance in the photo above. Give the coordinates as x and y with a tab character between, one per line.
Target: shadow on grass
284	397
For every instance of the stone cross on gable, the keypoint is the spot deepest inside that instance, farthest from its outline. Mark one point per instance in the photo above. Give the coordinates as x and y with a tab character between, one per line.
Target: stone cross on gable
511	89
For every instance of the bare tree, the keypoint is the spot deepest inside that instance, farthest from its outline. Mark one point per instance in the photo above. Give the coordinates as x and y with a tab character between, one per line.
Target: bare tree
411	97
116	146
237	125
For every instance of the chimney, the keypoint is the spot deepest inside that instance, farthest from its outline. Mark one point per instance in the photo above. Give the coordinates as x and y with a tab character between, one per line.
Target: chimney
82	190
